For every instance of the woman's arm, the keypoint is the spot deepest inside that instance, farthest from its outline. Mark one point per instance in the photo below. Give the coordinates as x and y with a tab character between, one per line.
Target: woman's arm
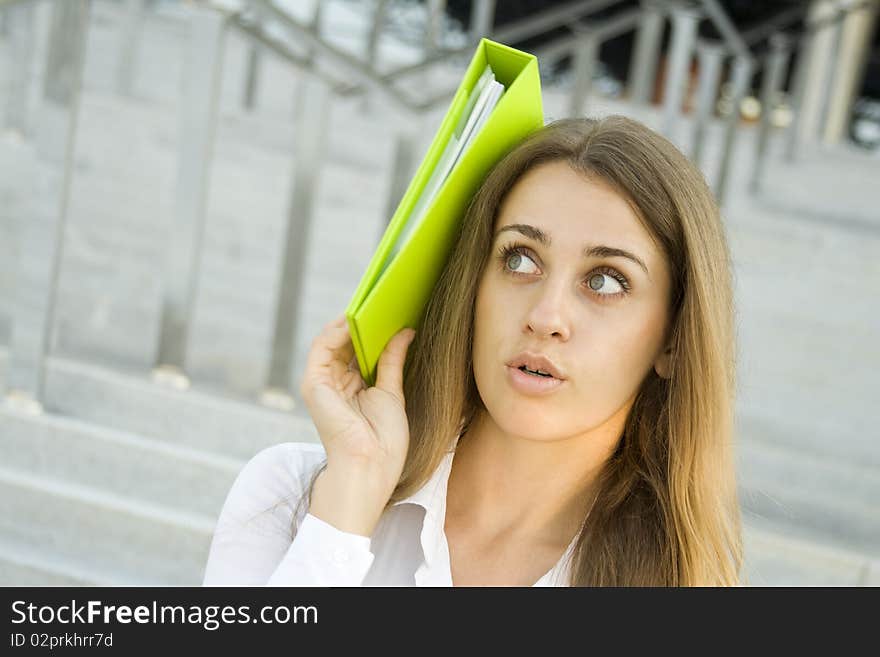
365	435
259	541
364	430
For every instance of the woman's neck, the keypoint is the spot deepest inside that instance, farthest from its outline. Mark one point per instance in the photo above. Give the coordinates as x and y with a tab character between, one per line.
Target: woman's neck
504	485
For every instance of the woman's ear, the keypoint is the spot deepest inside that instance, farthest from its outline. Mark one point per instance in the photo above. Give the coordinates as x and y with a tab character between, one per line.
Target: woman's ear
663	364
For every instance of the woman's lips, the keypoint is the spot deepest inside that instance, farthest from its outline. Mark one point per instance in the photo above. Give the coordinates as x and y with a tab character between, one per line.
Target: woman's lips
531	384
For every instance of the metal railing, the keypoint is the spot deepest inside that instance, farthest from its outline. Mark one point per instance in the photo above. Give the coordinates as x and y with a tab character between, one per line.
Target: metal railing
330	71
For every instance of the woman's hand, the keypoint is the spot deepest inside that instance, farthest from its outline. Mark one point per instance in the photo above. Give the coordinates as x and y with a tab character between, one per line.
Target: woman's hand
365	431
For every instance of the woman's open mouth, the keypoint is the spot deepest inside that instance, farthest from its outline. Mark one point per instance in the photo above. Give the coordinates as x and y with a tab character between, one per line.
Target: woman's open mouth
525	369
532	382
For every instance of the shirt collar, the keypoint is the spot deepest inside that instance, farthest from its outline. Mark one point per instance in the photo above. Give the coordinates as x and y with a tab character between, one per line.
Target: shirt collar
435	570
432	495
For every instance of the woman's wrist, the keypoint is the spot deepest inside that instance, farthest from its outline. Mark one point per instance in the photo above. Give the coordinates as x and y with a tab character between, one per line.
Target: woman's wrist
350	499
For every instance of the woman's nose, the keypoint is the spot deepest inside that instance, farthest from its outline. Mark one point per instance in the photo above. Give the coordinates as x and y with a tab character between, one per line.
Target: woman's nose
549	312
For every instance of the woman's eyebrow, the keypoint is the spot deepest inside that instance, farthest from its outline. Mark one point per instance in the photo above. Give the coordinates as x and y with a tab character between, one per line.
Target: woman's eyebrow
590	251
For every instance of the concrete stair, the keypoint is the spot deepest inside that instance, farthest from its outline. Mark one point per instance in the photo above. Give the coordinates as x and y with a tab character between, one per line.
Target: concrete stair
106	537
813	496
136	461
129	466
775	558
21	566
122	479
185	419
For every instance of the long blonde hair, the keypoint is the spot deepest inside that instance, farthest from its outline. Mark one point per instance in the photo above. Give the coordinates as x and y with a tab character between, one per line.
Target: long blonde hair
666	513
667	510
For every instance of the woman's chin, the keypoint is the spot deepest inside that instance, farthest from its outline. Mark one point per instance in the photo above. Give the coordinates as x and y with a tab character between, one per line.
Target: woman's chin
522	418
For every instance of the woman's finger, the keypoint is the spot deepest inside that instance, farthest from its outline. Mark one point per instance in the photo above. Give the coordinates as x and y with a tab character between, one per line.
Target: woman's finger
330	348
339	321
352	383
389	375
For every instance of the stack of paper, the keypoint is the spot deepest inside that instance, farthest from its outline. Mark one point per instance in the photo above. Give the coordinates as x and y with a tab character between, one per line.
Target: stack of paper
481	102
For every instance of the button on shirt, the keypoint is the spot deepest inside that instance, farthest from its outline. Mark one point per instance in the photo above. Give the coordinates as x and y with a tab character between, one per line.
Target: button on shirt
260	539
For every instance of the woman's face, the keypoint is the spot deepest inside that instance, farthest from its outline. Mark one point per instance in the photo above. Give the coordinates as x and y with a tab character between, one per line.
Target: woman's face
558	286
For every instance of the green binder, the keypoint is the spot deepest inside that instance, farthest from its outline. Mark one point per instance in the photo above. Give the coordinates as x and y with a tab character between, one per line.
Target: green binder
398	282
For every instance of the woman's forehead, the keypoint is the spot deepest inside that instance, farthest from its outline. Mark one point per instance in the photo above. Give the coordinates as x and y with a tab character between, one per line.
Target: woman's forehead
567	206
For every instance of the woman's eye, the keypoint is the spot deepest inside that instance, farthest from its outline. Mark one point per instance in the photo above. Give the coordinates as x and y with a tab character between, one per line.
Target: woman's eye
515	259
604	284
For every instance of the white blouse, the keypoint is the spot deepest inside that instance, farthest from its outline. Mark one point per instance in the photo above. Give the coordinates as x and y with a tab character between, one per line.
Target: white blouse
255	543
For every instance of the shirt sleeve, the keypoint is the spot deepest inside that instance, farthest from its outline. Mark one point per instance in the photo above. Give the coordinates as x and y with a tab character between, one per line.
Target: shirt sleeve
261	540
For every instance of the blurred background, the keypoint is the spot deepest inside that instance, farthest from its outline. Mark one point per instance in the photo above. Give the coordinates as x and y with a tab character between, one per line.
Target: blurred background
190	190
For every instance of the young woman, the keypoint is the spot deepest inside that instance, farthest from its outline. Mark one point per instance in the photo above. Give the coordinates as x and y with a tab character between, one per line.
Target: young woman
563	416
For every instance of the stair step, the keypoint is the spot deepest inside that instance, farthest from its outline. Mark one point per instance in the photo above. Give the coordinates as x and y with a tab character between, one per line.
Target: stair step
99	531
27	566
187	418
72	451
60	532
774	558
814	495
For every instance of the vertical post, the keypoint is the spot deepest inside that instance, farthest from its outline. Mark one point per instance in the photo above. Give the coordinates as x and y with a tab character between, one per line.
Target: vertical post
710	58
482	18
818	68
774	73
252	76
42	234
132	27
61	81
586	55
852	57
434	26
22	37
646	52
252	67
311	128
317	22
402	167
371	52
798	85
315	25
741	79
198	119
684	33
828	82
376	26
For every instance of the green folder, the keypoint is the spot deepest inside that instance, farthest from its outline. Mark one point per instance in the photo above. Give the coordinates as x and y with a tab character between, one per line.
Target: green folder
397	284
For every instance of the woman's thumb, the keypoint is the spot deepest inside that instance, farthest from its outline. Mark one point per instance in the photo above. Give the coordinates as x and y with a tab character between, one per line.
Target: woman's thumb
389	371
